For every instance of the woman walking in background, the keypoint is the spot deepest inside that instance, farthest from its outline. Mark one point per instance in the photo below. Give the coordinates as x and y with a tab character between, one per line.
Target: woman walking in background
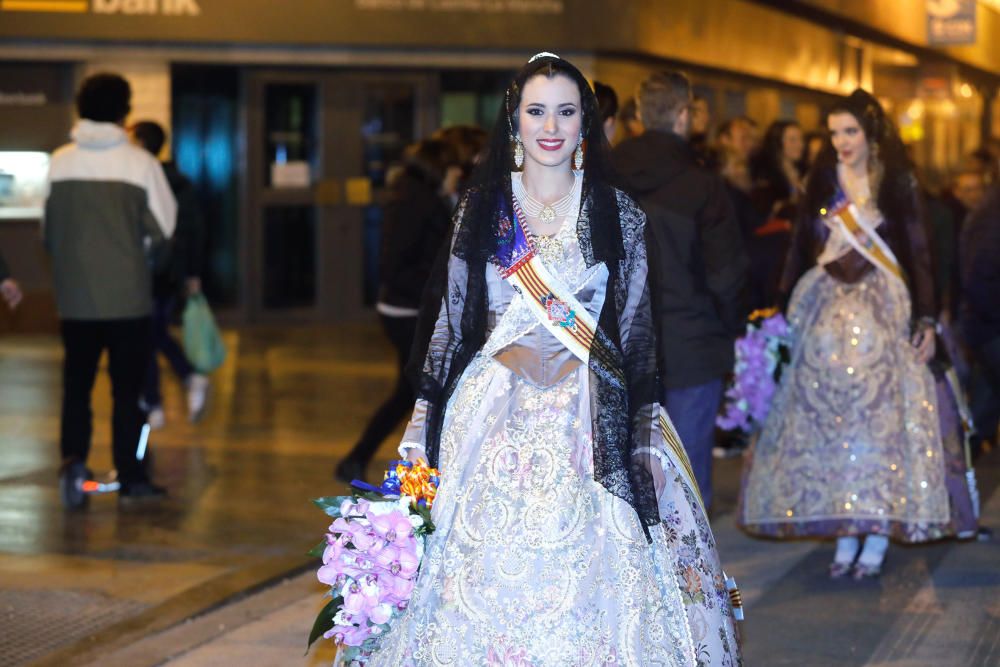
414	229
778	184
853	447
175	279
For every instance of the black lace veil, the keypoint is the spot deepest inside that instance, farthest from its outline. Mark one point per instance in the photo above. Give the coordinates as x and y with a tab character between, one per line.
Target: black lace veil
624	385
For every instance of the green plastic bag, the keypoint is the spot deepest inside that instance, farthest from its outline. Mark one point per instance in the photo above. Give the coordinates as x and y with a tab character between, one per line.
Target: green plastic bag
202	340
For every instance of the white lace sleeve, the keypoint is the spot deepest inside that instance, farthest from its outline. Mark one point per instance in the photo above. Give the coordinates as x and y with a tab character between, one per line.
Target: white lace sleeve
413	438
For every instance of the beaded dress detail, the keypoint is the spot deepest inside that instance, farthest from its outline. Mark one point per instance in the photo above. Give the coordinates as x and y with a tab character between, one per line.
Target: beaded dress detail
534	563
853	443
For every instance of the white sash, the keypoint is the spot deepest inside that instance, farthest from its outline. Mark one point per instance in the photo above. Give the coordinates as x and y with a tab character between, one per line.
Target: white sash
848	221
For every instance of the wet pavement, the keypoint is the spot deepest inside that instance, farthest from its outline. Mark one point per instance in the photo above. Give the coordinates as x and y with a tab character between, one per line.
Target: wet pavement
217	574
76	585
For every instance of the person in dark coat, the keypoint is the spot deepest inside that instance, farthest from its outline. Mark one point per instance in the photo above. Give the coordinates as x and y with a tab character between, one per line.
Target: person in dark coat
628	119
415	225
980	314
735	146
967	189
698	264
468	143
701	119
965	193
607	104
776	170
177	276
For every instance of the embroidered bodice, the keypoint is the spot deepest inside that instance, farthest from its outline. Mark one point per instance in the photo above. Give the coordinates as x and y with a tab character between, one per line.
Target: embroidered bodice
516	339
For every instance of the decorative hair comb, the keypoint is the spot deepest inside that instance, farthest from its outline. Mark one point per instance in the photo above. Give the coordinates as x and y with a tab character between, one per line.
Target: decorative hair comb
543	54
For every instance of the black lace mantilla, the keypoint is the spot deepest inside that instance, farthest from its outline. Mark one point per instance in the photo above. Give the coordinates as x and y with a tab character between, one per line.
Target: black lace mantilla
623	376
610	230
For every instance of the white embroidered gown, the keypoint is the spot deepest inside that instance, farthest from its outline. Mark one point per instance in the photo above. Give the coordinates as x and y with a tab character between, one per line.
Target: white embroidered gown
533	562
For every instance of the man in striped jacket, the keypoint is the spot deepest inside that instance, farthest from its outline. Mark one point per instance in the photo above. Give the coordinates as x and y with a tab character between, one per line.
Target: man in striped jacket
109	206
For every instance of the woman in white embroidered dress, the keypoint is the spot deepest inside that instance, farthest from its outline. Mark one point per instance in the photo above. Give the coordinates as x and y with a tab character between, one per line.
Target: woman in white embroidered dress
569	530
861	443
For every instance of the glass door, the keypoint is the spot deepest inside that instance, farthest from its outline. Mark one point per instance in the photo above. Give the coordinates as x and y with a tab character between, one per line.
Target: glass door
322	148
285	224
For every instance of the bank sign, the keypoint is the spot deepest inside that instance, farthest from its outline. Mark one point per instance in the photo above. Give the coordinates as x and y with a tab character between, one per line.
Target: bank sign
126	7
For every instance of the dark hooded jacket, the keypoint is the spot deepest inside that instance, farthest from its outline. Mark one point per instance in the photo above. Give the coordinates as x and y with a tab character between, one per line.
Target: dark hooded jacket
697	261
414	228
184	256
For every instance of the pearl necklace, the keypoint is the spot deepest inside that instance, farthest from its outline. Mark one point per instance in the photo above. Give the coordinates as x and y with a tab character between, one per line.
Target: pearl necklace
546	213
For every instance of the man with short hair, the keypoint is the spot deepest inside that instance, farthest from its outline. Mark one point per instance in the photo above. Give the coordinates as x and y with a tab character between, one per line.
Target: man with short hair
697	264
737	140
108	204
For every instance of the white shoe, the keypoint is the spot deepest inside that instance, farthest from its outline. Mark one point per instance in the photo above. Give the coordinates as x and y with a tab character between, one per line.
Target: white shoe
156	418
197	395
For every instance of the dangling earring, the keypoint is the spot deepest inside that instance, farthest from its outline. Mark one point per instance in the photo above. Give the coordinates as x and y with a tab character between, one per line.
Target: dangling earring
578	155
518	152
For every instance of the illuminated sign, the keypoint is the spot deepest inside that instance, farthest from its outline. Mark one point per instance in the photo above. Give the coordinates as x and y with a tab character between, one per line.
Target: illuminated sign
125	7
951	22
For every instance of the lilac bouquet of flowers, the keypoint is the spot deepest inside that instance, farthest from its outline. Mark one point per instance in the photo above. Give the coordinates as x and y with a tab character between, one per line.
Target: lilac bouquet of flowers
760	354
371	556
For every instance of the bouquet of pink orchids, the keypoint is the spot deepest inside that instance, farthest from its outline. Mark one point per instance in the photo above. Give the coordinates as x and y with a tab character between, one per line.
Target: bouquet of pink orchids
760	354
371	556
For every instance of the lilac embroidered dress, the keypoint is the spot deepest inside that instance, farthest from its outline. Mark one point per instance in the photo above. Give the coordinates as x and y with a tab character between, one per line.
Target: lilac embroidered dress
860	438
533	562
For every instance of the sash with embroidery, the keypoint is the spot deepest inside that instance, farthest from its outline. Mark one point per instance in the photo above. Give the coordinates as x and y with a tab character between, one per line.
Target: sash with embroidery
561	313
845	217
547	296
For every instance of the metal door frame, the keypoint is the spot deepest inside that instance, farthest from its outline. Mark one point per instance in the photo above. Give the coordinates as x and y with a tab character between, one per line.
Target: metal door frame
339	108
